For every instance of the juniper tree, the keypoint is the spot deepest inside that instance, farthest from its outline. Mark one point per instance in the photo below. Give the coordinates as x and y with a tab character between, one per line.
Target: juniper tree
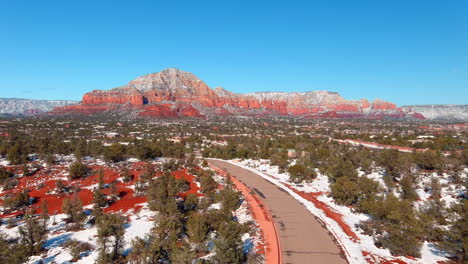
12	252
25	170
148	174
114	191
5	174
99	199
141	252
73	207
408	189
162	192
191	202
229	198
455	239
60	186
299	173
345	191
182	254
126	175
197	228
32	234
101	182
17	155
110	226
208	184
18	201
44	213
368	190
228	245
78	170
342	168
168	229
115	152
402	228
280	159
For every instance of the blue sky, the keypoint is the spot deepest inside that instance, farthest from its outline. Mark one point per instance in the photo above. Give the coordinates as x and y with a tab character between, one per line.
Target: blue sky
407	52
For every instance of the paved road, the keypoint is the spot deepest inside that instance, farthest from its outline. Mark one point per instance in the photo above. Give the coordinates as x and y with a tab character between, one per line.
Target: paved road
303	240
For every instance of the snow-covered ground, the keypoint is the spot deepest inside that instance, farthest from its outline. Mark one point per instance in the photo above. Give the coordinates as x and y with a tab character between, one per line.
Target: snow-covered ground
140	218
353	248
139	224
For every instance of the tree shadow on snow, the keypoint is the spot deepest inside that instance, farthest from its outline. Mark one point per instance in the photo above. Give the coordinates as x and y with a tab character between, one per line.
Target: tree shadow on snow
57	241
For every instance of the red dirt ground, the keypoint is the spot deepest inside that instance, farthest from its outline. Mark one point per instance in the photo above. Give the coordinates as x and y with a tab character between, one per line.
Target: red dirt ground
42	185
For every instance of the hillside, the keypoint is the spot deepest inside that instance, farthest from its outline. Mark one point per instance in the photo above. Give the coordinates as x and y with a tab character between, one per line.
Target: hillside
441	112
176	93
17	106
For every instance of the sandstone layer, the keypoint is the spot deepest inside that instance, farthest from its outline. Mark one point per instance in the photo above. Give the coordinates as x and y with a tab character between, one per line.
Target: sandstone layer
175	93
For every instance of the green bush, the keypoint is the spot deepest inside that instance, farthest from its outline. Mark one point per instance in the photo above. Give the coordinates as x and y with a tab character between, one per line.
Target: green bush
78	170
299	173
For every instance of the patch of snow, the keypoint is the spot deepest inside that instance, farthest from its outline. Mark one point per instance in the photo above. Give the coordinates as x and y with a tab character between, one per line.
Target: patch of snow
353	250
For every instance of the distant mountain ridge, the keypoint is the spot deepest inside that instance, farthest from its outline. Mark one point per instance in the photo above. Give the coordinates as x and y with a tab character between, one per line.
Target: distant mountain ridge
441	112
28	107
176	93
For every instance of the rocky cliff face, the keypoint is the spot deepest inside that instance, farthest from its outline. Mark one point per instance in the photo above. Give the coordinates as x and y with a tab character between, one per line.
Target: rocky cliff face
175	93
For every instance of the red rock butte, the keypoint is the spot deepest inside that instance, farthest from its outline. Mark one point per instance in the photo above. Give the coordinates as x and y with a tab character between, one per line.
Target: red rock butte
175	93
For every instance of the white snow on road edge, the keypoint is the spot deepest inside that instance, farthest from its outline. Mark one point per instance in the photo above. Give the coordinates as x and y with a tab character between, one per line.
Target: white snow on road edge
352	250
332	226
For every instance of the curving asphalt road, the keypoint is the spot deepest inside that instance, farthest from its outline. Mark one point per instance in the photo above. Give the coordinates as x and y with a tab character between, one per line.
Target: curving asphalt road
303	240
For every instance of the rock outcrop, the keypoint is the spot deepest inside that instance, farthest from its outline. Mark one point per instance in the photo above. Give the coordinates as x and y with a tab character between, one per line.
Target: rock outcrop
175	93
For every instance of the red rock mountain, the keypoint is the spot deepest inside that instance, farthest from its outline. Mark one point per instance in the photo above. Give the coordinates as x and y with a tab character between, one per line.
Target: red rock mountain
176	93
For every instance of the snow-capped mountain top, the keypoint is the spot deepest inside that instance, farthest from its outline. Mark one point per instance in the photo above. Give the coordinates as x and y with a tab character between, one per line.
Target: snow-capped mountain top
311	97
17	106
172	81
441	112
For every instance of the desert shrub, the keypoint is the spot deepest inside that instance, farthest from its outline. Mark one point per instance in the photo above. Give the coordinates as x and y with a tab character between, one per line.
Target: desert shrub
60	187
73	207
17	154
197	228
115	153
229	198
299	173
77	247
455	239
110	226
208	184
398	226
345	191
19	200
10	184
229	244
429	160
5	174
127	176
32	234
342	168
78	170
12	252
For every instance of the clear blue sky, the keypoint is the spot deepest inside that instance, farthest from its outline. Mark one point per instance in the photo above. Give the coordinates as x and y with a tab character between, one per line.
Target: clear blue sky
404	51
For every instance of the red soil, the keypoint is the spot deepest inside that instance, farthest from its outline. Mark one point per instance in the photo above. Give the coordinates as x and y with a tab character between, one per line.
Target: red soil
191	180
42	187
